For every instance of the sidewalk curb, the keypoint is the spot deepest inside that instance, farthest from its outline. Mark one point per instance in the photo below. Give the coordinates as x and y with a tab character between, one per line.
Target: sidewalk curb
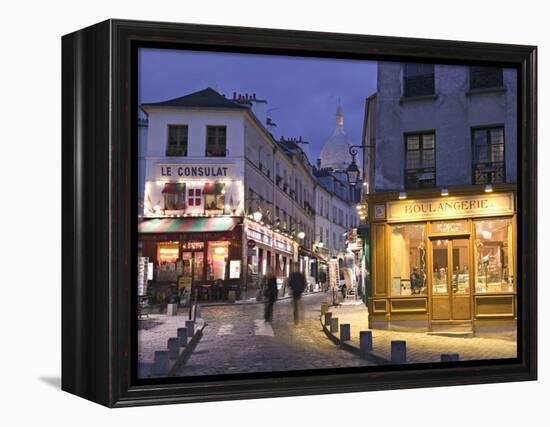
187	352
352	348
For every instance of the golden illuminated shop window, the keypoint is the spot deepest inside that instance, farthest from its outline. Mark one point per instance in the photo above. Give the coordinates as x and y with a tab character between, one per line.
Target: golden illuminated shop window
217	260
408	259
167	255
494	256
167	252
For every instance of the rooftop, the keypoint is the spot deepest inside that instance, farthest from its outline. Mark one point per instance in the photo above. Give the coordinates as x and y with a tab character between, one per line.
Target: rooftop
204	98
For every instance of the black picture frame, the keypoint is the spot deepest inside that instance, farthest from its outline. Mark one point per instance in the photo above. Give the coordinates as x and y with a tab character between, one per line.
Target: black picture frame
99	211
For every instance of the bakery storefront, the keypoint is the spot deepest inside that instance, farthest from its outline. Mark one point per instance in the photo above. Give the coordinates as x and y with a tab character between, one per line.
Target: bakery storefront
443	263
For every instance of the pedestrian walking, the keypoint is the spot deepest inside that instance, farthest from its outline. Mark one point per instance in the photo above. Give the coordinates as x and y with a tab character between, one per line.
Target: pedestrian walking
297	283
270	295
344	288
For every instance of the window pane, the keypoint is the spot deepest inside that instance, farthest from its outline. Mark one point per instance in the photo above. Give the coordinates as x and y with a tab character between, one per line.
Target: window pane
408	260
440	266
420	161
413	160
413	70
461	266
177	140
413	142
198	270
494	256
497	135
216	141
419	80
217	258
428	141
481	152
485	77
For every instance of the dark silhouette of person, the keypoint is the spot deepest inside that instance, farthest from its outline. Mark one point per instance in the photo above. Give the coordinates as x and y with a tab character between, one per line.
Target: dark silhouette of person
297	283
270	294
416	283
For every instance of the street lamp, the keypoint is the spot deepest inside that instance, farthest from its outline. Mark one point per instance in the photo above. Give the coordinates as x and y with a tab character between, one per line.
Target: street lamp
301	235
353	172
257	216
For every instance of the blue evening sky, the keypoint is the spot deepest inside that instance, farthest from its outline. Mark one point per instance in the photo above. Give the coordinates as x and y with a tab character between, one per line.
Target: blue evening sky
303	92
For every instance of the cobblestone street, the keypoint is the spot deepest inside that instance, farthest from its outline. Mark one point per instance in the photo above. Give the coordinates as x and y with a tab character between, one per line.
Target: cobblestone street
237	340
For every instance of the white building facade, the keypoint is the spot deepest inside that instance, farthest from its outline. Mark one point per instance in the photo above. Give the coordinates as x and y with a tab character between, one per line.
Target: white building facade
223	202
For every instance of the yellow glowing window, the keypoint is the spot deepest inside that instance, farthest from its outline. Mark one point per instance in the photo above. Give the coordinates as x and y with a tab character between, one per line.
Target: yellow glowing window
168	251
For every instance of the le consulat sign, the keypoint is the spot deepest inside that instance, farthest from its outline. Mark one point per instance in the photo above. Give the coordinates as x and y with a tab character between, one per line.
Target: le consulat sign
451	207
171	171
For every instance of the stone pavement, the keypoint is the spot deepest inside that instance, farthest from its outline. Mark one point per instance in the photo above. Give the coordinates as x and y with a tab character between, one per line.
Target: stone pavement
423	347
154	331
237	340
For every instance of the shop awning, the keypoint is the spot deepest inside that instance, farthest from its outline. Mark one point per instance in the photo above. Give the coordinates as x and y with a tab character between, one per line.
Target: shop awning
174	187
187	225
213	188
306	252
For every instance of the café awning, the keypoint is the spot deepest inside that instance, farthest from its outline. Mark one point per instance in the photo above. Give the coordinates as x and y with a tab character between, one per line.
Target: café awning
213	188
173	187
187	225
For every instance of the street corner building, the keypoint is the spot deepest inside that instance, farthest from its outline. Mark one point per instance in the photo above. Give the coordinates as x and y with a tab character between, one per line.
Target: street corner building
221	202
441	207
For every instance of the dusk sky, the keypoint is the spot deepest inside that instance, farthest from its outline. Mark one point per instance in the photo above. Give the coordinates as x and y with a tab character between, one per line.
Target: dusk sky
303	92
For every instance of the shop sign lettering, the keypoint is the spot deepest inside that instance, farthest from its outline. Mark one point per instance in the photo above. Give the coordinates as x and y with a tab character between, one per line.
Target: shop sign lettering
457	207
193	171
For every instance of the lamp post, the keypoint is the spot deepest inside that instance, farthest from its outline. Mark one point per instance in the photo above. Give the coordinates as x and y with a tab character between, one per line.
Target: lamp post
353	170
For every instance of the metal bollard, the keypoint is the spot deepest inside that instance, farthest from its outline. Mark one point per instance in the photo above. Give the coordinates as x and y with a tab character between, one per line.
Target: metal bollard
160	367
173	348
450	357
324	308
182	335
345	332
190	325
365	343
328	316
399	351
334	324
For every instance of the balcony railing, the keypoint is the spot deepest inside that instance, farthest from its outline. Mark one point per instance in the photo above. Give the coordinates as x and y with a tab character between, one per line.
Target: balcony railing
420	178
489	173
176	151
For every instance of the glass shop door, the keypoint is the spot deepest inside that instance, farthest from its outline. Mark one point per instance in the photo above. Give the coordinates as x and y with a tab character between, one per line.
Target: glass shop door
450	279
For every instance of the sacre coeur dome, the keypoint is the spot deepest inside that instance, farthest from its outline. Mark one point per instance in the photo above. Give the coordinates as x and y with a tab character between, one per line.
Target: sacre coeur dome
335	153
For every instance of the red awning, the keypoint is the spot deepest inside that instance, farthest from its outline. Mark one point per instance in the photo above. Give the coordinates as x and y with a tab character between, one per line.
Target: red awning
174	187
187	225
213	188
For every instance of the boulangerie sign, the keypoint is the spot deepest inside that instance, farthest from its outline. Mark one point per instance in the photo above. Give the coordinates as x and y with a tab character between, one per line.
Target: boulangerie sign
451	207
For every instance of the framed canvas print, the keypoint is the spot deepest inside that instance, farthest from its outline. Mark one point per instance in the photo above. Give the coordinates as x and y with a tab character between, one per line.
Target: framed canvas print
259	213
